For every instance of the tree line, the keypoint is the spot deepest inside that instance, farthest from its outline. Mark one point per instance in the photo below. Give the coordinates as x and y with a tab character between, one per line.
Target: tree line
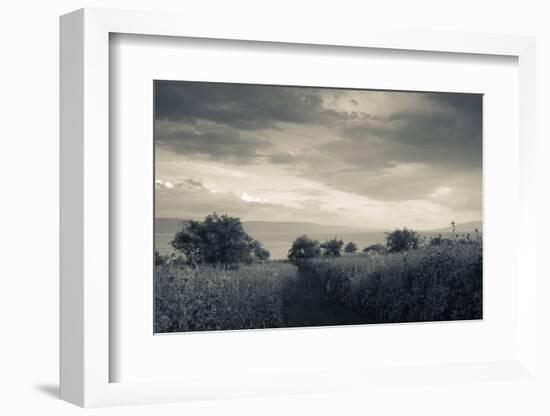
222	240
305	248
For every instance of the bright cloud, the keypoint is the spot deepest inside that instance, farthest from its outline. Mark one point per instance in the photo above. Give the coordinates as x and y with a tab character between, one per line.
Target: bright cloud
249	198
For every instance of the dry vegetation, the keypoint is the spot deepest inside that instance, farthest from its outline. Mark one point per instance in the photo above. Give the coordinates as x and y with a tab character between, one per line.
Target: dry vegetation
208	298
222	280
432	283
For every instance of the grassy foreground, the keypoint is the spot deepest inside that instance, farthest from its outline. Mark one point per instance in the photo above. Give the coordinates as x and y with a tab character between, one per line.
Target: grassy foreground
209	298
431	283
428	284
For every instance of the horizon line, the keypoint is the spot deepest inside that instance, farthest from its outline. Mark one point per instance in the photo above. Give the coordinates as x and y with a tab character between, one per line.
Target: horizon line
338	225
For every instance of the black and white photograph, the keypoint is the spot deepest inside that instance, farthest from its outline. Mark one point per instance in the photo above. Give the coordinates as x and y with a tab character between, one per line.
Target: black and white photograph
254	208
290	206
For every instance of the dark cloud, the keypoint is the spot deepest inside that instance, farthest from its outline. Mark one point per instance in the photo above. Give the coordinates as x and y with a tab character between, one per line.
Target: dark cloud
397	152
405	154
212	141
282	158
224	121
242	106
467	103
436	137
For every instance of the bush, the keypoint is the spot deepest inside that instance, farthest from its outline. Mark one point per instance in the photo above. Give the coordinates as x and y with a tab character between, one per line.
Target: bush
332	247
402	240
207	298
160	259
259	251
375	248
217	240
304	248
351	247
440	240
429	284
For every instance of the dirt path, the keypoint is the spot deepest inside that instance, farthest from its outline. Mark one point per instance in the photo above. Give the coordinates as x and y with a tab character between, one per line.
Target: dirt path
309	306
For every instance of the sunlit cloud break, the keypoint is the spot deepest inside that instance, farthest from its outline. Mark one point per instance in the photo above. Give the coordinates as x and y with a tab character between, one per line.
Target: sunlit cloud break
249	198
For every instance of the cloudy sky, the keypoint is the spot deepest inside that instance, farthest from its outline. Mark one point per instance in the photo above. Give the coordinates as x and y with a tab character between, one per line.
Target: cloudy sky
376	159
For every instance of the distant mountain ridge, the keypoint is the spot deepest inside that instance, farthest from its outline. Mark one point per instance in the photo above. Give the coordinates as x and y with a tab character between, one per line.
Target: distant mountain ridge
172	225
303	227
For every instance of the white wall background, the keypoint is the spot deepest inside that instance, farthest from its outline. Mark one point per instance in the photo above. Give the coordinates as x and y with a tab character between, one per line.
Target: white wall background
29	205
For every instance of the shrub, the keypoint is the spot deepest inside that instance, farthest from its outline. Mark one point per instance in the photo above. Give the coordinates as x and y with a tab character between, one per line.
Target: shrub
375	248
350	247
440	240
259	251
304	248
429	284
217	240
402	240
212	298
332	247
160	259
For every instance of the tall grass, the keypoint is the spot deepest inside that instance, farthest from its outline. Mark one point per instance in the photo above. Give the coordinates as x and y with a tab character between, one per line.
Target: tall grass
428	284
210	298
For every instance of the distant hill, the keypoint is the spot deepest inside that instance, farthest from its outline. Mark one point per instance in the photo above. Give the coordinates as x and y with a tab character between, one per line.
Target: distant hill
253	227
172	225
461	228
277	237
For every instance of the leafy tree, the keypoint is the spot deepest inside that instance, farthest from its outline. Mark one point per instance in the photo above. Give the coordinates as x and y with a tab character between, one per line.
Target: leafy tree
304	248
217	240
332	247
402	240
259	251
350	247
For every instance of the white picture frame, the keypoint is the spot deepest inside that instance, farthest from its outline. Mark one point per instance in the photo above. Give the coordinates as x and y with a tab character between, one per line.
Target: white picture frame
85	354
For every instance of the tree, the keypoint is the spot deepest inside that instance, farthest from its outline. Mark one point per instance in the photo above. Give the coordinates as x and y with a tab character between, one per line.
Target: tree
402	240
217	240
304	248
259	251
332	247
351	247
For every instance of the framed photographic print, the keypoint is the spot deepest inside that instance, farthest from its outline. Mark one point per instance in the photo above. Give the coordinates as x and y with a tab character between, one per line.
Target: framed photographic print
283	206
287	198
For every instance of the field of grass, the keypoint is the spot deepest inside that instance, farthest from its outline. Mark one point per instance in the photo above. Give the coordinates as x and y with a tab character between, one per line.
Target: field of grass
428	284
432	283
212	298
